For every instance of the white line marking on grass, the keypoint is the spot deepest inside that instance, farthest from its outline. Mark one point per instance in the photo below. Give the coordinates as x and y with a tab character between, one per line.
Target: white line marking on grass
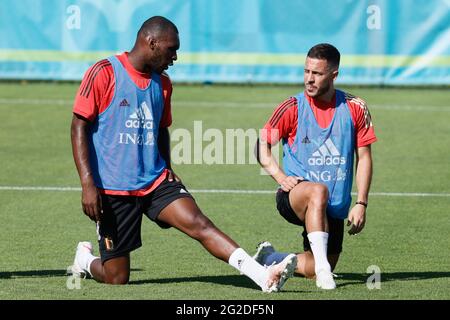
38	188
393	107
36	101
407	194
221	104
230	191
227	191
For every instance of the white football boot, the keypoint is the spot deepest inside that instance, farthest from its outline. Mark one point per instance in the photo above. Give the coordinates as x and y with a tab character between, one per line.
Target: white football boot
77	269
264	248
279	273
324	280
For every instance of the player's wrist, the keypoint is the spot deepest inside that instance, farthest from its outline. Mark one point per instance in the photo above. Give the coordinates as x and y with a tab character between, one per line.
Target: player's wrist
363	203
87	181
280	177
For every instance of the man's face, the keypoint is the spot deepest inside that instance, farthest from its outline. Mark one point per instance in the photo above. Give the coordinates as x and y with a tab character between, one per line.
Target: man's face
318	77
165	51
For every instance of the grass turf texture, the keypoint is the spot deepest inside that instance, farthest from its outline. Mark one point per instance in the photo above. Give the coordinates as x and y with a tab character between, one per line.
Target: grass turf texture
406	237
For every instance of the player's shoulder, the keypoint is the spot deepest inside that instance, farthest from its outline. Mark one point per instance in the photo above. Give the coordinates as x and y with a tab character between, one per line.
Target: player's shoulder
166	81
358	109
285	112
98	70
100	65
165	77
355	101
287	103
98	76
287	107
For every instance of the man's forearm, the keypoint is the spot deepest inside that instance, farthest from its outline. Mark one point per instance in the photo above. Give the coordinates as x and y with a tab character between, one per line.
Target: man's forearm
266	160
80	150
164	146
364	171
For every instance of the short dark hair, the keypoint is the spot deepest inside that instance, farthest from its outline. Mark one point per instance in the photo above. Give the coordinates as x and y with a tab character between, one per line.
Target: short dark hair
157	25
325	51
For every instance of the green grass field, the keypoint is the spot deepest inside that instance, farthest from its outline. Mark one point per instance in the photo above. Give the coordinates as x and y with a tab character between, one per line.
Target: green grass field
406	235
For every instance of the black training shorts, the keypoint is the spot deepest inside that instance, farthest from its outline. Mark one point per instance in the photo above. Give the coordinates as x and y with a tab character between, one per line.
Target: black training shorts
335	226
119	228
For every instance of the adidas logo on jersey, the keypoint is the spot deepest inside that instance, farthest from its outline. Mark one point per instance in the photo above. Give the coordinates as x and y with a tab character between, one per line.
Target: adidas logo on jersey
306	140
124	103
327	154
141	118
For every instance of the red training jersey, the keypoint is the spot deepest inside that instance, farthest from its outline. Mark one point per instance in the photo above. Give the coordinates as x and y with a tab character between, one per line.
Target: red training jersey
285	119
96	92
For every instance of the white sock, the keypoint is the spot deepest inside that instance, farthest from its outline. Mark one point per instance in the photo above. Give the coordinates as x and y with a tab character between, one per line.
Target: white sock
86	261
318	241
244	263
91	259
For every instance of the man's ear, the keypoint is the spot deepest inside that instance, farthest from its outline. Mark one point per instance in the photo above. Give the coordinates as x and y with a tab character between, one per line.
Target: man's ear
151	42
335	74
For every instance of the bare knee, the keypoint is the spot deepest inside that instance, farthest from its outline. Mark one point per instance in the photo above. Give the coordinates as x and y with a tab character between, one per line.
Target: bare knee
117	278
318	196
117	270
201	227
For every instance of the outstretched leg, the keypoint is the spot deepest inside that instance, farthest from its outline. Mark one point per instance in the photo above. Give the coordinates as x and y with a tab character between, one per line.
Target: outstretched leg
185	215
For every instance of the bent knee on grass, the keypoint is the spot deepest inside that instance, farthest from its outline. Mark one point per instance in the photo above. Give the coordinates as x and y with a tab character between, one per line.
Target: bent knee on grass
307	192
